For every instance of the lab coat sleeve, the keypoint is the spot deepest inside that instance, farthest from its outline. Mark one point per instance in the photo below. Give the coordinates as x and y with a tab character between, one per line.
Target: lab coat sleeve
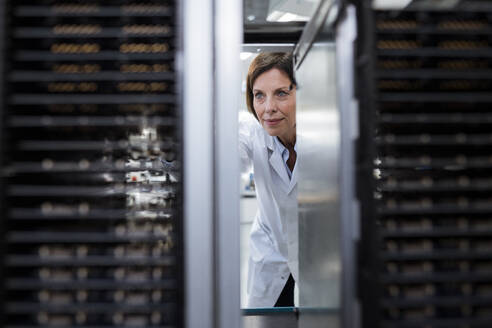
247	125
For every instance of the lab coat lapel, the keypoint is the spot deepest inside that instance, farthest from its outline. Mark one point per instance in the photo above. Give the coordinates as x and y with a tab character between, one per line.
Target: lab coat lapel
277	162
293	177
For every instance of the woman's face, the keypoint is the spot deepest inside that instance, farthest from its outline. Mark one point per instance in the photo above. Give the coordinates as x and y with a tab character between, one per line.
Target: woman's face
274	101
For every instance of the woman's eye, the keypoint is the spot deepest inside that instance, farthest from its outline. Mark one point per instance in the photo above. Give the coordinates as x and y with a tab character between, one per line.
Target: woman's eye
259	96
282	93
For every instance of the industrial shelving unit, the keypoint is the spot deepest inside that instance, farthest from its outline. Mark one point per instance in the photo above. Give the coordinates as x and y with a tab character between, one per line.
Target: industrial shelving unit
424	165
91	158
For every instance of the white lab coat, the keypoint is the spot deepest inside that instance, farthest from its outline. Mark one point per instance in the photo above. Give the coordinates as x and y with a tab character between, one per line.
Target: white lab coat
274	236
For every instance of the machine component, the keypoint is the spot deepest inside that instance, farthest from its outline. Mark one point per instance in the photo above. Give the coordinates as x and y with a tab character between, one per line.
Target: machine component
424	162
91	165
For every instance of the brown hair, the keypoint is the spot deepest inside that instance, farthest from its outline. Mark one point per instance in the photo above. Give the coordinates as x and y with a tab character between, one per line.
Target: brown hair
264	62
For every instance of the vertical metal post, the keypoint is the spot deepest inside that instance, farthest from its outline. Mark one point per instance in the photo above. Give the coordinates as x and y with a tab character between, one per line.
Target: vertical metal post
212	38
366	94
228	36
197	72
345	37
3	104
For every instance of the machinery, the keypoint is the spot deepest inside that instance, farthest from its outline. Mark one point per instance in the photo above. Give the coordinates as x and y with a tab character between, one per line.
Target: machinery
119	163
91	165
424	164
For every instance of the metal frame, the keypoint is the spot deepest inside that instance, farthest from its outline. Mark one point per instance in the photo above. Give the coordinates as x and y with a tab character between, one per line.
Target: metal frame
273	32
180	226
327	10
365	153
211	45
3	92
260	47
349	130
228	38
198	195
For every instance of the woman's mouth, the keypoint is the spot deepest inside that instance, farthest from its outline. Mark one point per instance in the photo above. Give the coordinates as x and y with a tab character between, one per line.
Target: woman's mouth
273	122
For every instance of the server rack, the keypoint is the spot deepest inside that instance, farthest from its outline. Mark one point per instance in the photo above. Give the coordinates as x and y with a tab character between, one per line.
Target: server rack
424	176
91	193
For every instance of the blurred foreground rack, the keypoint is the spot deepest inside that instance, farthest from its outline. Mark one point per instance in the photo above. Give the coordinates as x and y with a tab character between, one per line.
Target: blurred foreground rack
425	160
91	160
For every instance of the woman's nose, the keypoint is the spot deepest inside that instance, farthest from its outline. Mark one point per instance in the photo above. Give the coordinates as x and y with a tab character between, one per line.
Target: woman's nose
270	104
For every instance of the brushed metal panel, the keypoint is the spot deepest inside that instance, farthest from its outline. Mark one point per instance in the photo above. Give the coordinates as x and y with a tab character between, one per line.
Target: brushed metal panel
228	33
270	317
318	129
198	148
349	207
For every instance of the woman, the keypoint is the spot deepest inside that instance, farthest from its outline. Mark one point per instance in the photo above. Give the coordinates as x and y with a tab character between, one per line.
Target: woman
270	147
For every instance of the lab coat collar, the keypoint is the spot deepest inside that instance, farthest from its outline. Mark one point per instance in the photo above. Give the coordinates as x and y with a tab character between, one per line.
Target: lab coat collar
269	141
277	162
293	177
